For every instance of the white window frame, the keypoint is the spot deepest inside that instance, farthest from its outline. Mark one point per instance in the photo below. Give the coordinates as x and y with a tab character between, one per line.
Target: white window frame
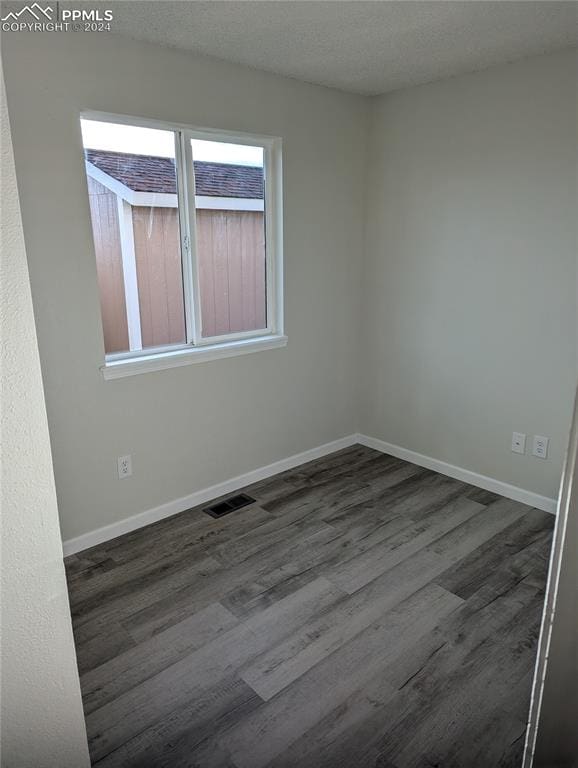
196	347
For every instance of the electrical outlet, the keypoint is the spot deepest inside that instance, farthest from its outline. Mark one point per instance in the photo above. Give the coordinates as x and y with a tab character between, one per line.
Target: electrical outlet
124	466
540	446
518	442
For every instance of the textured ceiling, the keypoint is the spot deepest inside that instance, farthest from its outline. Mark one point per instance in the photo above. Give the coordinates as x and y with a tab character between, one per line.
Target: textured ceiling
363	47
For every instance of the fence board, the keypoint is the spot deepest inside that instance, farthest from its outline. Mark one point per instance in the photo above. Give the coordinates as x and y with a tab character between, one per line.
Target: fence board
160	282
231	254
104	217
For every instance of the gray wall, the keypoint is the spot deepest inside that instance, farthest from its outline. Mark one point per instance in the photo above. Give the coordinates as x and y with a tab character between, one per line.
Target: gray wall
41	709
186	428
430	274
470	281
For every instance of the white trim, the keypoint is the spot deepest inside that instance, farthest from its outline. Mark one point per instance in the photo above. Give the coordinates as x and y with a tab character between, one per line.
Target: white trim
274	233
109	532
229	203
187	234
109	182
153	199
131	295
205	341
185	355
544	503
100	535
168	200
193	285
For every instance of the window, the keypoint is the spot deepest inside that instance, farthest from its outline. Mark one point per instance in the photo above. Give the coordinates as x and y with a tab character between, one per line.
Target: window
187	236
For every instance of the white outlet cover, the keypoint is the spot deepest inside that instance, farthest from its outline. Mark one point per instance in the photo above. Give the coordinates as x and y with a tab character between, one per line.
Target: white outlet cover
518	442
540	446
124	464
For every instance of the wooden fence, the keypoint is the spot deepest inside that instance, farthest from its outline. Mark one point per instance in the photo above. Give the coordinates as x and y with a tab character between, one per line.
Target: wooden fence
106	232
231	255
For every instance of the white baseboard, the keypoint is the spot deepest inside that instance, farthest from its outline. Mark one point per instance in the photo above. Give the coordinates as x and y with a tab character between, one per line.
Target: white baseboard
108	532
459	473
100	535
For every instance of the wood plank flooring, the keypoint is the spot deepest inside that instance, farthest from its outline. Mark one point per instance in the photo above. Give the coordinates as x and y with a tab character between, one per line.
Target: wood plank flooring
364	613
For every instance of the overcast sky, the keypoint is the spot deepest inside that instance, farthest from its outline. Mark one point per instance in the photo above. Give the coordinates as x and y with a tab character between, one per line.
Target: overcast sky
151	141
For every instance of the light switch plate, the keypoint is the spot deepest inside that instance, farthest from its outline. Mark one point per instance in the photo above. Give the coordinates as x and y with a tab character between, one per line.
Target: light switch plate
540	446
518	442
124	466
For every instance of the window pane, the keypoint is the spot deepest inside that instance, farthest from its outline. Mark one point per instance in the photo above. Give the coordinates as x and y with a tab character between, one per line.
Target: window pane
134	210
230	224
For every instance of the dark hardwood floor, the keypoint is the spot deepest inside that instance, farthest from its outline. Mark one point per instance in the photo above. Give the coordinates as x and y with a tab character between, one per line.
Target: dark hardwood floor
364	612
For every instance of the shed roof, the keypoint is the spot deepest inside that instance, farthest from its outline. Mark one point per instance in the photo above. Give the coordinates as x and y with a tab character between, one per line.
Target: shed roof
145	173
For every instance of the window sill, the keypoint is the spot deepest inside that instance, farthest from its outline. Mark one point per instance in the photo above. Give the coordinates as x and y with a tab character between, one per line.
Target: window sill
117	369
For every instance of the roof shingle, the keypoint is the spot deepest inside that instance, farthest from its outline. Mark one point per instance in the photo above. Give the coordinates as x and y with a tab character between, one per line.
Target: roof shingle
145	173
